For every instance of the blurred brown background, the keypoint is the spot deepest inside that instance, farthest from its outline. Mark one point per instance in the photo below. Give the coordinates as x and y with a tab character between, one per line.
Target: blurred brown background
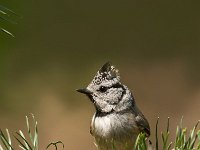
60	45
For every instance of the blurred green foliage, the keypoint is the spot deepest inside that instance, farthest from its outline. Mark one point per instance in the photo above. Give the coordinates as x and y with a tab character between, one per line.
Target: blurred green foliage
184	140
27	141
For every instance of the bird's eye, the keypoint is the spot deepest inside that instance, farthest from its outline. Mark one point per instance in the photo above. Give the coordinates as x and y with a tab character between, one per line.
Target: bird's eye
103	89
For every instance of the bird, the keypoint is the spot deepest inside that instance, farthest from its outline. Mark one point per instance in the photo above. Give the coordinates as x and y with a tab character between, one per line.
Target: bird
117	120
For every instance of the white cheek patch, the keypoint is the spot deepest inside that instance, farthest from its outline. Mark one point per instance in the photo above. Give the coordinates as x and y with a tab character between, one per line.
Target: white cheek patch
103	105
114	95
108	100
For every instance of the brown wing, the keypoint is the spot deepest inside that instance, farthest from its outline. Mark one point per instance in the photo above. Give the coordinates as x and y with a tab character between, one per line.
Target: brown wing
142	122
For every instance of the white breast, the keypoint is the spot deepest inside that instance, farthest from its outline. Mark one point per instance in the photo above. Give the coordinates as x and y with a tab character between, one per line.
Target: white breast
120	128
114	125
103	125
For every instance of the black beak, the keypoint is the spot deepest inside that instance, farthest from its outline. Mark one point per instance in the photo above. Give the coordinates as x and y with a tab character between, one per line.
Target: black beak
84	91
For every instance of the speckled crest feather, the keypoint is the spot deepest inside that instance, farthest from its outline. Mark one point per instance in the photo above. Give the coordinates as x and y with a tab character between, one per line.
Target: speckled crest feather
107	72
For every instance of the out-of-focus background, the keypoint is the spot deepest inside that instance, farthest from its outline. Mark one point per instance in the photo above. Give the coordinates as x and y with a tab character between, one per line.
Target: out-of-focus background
60	45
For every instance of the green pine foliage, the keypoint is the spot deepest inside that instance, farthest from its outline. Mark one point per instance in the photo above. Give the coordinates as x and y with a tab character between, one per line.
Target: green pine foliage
6	16
25	143
29	142
184	140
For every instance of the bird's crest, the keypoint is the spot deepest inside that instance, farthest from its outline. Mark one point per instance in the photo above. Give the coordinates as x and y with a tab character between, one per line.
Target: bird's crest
106	72
109	71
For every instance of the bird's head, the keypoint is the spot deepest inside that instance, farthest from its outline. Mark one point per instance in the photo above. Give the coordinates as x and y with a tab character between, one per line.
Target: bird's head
106	91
